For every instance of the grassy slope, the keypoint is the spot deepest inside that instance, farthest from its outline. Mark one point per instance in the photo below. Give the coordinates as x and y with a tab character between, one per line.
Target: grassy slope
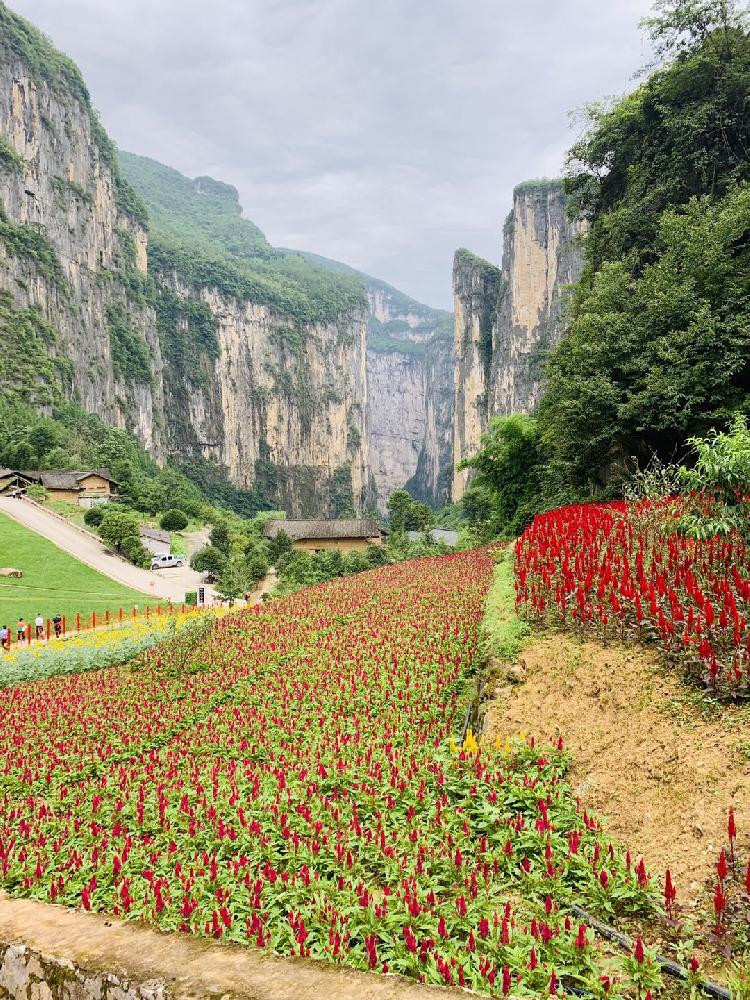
53	580
504	631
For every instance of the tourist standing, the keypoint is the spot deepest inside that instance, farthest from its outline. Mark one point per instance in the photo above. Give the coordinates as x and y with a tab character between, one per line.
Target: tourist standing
39	623
21	629
57	622
4	637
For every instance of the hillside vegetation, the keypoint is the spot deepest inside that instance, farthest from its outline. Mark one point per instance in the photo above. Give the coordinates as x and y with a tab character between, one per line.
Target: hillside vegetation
659	344
197	230
657	351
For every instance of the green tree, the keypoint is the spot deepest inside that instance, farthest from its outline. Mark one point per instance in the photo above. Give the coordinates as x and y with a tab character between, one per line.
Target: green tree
93	517
173	520
120	529
679	26
278	546
653	359
721	475
505	492
42	439
399	506
232	580
209	560
221	538
657	347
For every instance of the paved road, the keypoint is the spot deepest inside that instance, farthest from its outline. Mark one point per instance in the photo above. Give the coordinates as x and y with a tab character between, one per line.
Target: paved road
168	584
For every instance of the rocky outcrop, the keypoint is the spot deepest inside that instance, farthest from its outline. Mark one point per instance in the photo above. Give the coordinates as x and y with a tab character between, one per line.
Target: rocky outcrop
409	374
507	321
477	285
541	260
282	410
71	250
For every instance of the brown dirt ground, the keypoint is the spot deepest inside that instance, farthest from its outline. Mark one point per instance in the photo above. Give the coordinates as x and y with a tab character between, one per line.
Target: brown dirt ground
654	758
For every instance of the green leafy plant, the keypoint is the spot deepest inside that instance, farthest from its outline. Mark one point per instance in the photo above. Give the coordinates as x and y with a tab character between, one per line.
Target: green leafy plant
719	483
209	560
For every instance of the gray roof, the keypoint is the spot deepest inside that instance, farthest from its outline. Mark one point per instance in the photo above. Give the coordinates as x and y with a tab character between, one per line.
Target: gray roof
363	527
54	480
436	534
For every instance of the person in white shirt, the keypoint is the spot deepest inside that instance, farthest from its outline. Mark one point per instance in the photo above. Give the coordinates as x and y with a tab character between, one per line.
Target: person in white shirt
39	622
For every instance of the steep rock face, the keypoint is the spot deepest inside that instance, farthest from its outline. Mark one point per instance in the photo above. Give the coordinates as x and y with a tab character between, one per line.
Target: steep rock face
281	409
409	414
508	320
70	250
541	259
224	355
397	418
409	374
476	288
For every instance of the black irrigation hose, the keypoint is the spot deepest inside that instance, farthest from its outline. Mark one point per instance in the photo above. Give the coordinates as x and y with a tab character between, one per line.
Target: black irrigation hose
666	964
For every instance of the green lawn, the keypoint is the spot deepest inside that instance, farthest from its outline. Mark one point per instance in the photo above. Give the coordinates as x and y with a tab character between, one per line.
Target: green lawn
54	581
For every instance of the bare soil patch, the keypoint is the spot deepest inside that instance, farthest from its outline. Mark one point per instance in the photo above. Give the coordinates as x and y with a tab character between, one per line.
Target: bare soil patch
656	759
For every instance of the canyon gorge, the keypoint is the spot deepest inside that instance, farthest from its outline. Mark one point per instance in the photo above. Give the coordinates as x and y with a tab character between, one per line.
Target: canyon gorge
150	300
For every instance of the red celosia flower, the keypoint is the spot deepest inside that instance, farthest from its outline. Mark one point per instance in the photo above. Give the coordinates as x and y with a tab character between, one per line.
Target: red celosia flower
638	952
721	866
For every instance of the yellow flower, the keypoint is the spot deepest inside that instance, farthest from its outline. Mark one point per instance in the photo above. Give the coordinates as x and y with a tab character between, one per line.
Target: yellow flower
470	743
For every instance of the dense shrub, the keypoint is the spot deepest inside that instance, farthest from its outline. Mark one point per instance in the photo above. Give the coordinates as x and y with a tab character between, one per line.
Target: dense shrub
173	520
93	516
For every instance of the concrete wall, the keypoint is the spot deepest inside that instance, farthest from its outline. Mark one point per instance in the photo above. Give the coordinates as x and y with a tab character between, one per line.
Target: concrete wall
50	953
342	544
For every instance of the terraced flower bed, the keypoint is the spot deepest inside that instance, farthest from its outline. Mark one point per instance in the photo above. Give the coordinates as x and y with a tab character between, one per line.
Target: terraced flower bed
618	571
293	782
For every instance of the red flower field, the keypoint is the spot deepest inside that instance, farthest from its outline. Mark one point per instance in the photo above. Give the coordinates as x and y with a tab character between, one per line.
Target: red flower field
613	571
293	784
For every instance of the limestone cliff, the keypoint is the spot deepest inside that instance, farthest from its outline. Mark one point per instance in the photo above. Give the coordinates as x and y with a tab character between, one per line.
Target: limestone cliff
72	241
541	260
265	356
409	413
477	286
409	373
280	409
180	324
507	320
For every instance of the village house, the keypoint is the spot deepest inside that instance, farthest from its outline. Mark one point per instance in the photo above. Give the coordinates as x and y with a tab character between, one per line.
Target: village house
85	488
317	536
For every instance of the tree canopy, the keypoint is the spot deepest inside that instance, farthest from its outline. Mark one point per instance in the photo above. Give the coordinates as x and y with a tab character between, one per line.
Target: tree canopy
658	347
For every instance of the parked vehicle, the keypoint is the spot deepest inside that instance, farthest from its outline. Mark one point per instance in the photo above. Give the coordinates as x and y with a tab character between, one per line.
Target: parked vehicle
165	561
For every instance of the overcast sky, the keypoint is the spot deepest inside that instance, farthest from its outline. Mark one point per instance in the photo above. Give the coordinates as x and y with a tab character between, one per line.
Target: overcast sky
383	133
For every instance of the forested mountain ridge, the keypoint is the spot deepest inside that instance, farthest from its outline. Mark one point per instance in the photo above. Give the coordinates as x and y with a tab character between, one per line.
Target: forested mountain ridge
655	348
658	347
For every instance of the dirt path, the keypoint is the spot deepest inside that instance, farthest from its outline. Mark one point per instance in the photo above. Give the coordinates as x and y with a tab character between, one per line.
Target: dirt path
169	584
655	758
